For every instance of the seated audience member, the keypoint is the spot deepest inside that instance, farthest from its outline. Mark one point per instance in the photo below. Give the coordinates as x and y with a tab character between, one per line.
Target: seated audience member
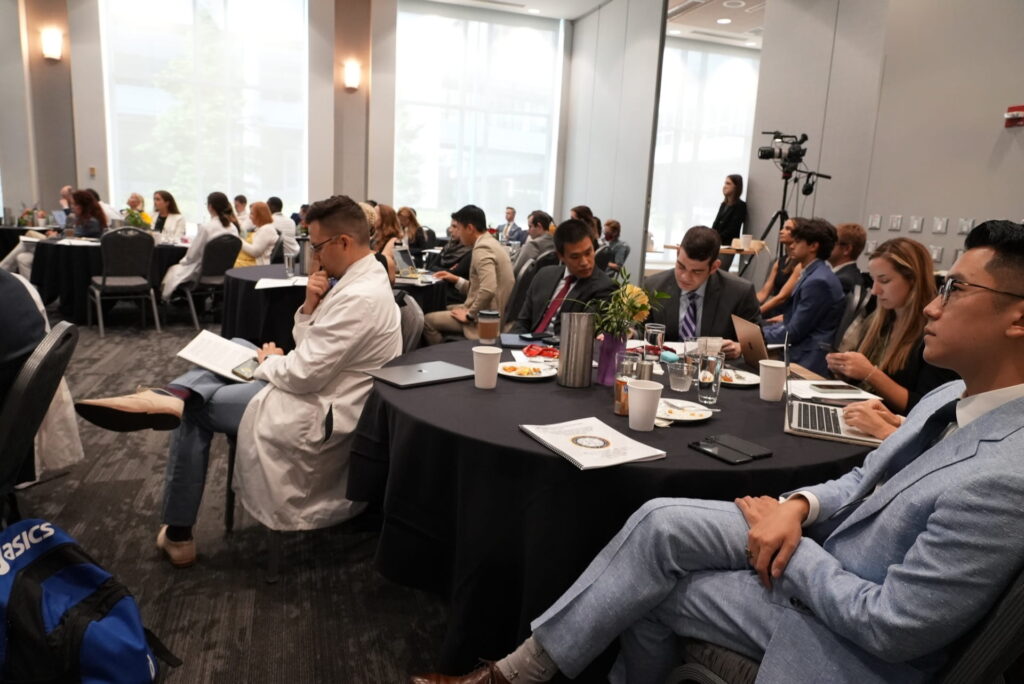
65	199
538	241
299	217
285	227
732	213
389	234
373	220
137	203
294	422
889	360
241	203
778	288
566	287
612	242
510	232
413	231
259	244
702	296
222	222
108	211
817	302
169	220
87	220
488	286
843	260
583	213
871	577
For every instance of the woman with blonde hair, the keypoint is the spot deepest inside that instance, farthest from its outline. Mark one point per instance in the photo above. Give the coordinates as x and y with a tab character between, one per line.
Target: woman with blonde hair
258	245
414	235
137	203
889	360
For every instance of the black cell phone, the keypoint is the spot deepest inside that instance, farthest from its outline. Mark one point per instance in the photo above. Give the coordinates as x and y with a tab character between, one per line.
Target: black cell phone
722	453
827	348
741	445
833	387
536	336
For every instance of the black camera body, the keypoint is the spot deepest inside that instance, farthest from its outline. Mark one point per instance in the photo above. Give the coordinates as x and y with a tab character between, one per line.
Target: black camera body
789	150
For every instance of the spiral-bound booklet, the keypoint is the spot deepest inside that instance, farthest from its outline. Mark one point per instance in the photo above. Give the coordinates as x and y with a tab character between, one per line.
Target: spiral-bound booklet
588	443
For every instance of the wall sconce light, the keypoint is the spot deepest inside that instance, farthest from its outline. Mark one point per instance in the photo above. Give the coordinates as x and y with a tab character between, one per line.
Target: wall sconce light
53	43
352	74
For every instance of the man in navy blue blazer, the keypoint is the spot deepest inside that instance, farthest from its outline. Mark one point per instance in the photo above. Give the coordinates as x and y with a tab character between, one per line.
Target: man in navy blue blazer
866	579
817	302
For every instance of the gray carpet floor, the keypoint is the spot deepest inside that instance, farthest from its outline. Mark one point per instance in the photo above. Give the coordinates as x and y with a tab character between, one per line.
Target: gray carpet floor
330	618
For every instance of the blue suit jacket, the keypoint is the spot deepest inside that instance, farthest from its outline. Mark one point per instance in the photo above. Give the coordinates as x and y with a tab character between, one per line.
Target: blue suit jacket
878	595
817	307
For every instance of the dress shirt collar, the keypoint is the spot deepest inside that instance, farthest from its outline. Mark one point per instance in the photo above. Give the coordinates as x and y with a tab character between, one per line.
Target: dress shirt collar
974	407
836	269
700	290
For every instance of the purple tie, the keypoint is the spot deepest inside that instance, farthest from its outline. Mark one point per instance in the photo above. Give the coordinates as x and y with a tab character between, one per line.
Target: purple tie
688	326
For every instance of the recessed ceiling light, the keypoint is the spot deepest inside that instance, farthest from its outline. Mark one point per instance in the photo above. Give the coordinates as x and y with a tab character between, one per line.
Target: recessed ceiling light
734	4
674	32
533	10
723	20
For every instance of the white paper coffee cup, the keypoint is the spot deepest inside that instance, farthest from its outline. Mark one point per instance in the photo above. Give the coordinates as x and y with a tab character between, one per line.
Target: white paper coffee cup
485	366
773	379
643	404
745	241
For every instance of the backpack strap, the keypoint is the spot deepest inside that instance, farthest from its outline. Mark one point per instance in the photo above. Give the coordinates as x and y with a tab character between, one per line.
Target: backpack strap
159	650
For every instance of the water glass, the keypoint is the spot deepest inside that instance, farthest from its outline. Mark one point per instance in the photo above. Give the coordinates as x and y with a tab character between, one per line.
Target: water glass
289	266
654	336
680	375
709	378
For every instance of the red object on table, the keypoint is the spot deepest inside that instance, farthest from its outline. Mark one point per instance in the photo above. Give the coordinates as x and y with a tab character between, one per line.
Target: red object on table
541	350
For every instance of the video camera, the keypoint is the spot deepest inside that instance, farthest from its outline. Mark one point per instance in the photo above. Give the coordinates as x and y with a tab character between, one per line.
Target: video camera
790	157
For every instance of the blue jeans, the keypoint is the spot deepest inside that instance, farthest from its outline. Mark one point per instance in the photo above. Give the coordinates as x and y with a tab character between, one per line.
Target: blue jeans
216	405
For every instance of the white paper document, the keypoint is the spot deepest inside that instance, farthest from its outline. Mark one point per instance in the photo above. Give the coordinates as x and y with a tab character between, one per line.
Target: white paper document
26	238
270	283
805	389
217	354
588	443
79	242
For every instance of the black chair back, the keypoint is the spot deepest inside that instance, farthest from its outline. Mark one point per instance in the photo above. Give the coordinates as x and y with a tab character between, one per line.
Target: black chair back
519	291
219	255
126	252
431	237
277	254
603	257
548	258
29	399
853	306
412	320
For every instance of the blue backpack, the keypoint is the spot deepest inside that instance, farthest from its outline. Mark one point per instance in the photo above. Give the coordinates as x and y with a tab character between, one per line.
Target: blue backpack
63	618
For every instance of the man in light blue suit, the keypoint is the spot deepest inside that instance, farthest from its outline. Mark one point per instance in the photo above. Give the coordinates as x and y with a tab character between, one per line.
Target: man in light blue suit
816	306
867	578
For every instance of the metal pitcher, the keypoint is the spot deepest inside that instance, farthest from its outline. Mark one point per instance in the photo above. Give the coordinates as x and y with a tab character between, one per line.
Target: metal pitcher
305	258
575	359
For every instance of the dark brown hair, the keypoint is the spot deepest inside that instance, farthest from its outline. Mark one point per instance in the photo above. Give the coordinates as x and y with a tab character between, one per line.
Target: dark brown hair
701	243
340	214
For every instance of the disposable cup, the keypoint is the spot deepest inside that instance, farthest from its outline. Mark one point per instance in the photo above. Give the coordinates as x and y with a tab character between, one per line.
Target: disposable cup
485	366
773	379
643	404
745	241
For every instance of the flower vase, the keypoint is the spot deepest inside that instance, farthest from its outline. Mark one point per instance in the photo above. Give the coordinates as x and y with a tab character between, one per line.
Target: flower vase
610	346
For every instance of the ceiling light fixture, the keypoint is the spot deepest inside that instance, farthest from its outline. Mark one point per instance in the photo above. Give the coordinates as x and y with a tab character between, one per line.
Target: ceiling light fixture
723	21
533	10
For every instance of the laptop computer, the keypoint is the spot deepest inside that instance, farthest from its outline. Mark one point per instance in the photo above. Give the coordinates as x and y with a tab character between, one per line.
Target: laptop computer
420	374
405	265
59	217
821	421
751	341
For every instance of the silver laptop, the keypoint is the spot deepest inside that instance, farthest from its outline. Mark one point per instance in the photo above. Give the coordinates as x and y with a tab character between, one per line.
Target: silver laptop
419	374
405	264
813	419
751	341
59	217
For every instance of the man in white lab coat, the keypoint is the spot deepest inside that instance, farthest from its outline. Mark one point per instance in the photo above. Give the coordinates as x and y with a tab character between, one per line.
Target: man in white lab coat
294	422
284	226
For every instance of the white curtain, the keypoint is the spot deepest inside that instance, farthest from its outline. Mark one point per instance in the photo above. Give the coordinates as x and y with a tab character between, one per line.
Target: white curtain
705	126
476	111
206	95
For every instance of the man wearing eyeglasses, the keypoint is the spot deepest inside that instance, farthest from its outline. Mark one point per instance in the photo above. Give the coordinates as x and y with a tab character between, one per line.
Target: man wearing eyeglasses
869	578
293	422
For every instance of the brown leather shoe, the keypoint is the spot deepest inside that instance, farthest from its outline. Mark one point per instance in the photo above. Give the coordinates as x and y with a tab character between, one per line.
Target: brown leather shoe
488	674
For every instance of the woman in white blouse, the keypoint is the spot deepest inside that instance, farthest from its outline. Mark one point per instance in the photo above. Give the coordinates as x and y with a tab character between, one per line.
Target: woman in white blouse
167	220
258	244
222	222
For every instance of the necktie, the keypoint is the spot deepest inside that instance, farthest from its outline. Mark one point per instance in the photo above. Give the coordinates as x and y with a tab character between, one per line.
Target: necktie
555	305
688	326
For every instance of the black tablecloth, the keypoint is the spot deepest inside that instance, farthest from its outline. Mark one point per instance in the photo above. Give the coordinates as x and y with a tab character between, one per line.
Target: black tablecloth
429	297
9	237
64	271
479	512
260	315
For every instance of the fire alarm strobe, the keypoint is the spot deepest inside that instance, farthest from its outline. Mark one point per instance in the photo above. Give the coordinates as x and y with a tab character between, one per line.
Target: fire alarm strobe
1014	116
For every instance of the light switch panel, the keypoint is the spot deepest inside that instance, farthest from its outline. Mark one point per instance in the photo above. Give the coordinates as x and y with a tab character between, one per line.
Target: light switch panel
875	222
965	226
916	224
895	221
936	251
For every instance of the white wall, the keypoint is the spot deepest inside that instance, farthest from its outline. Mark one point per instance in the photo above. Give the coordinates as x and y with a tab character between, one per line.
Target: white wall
17	155
88	99
613	83
320	122
380	154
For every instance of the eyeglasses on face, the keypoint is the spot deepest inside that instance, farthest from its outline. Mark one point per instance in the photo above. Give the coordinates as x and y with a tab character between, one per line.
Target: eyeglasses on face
949	285
316	247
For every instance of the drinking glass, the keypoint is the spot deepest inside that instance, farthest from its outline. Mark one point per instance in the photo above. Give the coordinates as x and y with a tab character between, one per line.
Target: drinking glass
654	336
709	378
680	375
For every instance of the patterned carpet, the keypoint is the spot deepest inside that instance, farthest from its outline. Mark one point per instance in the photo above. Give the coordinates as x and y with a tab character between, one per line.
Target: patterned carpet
330	618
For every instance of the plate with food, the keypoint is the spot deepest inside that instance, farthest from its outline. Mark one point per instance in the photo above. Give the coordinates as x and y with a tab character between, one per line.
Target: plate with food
683	411
527	371
732	377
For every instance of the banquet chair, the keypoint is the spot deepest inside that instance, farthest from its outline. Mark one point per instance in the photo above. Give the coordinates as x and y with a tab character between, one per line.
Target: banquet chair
127	255
277	254
548	258
853	306
273	536
980	656
431	237
412	320
26	405
519	291
602	257
218	256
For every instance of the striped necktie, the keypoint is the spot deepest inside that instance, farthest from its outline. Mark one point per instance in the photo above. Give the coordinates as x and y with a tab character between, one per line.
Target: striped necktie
688	326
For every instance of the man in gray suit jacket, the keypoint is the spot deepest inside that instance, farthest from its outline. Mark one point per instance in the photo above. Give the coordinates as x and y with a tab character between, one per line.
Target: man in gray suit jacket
867	578
566	287
702	298
538	229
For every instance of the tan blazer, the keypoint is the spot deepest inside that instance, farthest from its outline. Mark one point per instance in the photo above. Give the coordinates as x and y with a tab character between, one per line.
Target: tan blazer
490	277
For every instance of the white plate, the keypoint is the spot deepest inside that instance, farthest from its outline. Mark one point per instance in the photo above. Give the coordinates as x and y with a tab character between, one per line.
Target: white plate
544	370
740	378
690	412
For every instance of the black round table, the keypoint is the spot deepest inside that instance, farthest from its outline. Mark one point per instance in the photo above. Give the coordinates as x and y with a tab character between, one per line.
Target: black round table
479	512
260	315
9	237
433	297
64	271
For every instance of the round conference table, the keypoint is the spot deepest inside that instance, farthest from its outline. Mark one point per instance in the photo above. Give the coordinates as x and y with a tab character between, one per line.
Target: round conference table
477	511
64	271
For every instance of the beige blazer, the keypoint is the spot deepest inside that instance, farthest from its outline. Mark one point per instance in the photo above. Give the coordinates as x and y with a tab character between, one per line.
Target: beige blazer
490	277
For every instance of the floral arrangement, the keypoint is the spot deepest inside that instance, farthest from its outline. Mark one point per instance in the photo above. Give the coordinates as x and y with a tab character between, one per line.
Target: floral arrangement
628	306
134	218
28	216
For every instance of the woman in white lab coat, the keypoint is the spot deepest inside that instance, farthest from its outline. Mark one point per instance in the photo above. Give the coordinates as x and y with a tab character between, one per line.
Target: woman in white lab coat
167	220
258	245
222	222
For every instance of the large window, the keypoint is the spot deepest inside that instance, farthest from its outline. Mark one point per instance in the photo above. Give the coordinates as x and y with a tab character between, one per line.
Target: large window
206	95
476	111
705	123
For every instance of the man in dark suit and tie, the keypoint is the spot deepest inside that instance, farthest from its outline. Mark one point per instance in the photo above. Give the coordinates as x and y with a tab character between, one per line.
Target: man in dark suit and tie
510	232
566	287
702	297
843	260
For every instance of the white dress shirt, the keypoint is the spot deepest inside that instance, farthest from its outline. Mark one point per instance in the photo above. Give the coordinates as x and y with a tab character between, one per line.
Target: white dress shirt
286	229
684	304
